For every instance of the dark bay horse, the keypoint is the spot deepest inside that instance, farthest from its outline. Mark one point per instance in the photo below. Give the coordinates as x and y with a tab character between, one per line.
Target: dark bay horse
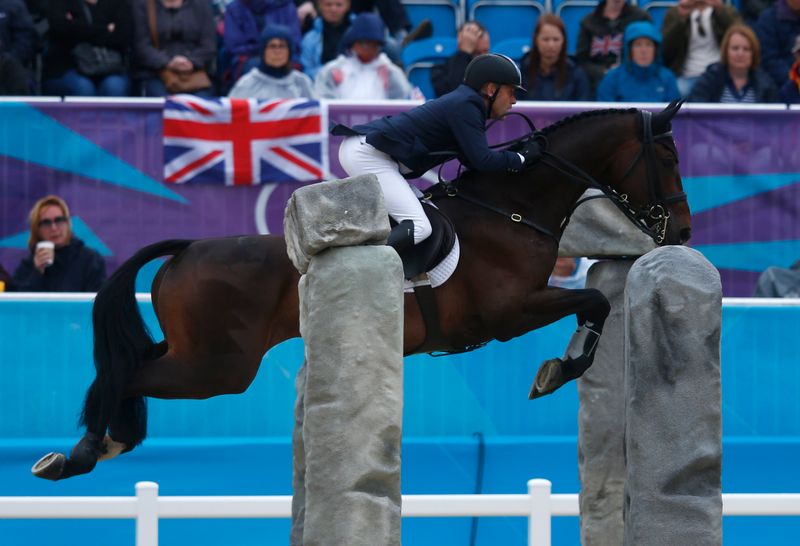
222	303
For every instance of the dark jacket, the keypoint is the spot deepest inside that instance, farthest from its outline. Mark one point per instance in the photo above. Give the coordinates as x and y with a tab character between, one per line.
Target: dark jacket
246	19
676	32
17	34
409	137
69	26
447	76
76	268
600	39
776	30
392	12
188	31
712	82
576	86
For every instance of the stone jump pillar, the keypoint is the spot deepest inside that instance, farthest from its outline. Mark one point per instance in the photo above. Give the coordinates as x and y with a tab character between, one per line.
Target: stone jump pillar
614	495
348	418
673	423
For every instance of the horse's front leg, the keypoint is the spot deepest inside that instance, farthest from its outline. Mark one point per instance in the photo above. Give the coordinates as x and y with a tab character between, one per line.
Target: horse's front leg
591	308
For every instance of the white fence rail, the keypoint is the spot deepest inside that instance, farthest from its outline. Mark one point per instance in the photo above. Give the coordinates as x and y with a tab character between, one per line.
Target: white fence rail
539	506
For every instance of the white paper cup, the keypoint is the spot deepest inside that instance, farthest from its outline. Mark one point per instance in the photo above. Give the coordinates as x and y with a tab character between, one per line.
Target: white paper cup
51	250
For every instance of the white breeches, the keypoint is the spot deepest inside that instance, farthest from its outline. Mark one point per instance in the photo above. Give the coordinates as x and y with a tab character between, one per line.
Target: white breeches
357	157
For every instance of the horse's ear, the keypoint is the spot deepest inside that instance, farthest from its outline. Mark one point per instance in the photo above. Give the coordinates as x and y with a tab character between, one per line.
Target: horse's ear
662	120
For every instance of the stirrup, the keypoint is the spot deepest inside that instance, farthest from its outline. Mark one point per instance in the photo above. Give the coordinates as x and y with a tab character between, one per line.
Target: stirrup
401	236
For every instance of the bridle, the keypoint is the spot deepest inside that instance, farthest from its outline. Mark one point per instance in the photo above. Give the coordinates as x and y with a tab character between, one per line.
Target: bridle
652	218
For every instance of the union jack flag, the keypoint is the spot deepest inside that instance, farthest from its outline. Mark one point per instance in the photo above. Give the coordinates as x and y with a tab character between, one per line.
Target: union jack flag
605	45
244	141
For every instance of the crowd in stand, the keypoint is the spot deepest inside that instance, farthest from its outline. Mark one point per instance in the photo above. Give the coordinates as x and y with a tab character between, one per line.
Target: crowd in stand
705	50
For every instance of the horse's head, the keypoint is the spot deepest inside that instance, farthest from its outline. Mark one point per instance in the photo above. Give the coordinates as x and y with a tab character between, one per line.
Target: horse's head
649	177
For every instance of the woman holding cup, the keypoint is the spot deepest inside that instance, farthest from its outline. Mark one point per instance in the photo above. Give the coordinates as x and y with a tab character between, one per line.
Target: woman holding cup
58	261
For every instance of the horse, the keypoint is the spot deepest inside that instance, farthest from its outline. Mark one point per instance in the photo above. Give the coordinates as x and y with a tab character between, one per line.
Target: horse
223	302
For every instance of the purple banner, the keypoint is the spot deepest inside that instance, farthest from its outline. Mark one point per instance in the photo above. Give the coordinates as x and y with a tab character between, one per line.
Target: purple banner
740	169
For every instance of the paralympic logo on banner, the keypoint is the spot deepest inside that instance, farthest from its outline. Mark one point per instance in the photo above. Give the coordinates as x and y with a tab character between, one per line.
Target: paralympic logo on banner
242	142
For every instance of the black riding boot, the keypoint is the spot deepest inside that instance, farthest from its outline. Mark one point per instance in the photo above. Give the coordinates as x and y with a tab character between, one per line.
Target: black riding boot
402	235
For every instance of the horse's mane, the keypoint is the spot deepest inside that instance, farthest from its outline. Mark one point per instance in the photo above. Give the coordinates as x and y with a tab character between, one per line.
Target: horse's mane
583	115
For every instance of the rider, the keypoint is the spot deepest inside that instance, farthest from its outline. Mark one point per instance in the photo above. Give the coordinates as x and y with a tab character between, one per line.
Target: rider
398	147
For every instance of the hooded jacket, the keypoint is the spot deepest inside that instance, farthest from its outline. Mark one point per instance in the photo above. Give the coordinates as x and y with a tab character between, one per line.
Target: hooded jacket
630	82
262	83
76	268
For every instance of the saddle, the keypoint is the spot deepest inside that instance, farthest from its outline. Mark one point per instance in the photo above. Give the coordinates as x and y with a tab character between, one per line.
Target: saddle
421	258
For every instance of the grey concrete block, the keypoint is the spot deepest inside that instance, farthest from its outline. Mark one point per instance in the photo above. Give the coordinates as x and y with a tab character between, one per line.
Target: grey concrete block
673	423
334	213
601	417
351	318
598	228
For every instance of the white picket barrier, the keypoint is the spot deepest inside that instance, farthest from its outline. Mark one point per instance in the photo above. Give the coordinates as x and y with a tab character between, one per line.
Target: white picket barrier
539	506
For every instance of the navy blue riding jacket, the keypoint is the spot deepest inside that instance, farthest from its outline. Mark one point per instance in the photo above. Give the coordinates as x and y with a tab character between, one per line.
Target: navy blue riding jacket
453	122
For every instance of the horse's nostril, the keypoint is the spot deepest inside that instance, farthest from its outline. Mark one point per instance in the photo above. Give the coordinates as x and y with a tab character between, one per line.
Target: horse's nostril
686	234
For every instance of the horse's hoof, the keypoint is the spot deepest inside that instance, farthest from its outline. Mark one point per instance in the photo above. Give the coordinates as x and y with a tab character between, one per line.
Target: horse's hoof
549	378
49	467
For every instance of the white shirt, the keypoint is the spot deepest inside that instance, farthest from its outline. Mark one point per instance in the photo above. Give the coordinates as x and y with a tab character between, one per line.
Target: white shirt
703	50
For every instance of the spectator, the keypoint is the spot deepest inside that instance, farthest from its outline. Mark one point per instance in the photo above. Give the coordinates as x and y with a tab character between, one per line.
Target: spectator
600	36
641	77
738	77
473	40
6	282
693	31
570	272
322	43
73	267
777	29
547	72
182	43
363	71
751	10
790	92
17	47
392	13
88	24
274	77
245	21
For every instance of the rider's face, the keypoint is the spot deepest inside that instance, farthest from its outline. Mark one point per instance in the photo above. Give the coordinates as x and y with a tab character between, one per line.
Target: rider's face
504	101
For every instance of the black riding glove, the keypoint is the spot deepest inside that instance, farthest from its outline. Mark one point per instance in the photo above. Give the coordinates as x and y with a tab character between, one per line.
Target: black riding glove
531	152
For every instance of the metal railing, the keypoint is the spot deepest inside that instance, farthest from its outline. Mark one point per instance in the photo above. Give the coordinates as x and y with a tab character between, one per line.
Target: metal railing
539	506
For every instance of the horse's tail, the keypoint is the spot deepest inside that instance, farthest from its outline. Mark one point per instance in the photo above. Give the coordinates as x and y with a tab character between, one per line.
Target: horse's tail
121	342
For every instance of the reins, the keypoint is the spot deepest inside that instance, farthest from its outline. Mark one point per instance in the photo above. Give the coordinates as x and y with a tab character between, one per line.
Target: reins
652	219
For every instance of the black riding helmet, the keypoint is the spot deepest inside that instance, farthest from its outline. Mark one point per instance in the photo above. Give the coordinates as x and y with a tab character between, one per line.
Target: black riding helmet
495	68
492	67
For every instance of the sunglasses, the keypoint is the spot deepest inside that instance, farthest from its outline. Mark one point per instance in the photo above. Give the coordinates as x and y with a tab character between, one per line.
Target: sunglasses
48	223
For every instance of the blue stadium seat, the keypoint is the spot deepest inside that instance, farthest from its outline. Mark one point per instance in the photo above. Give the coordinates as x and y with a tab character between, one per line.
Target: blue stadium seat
516	48
506	19
421	56
446	16
657	9
572	12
